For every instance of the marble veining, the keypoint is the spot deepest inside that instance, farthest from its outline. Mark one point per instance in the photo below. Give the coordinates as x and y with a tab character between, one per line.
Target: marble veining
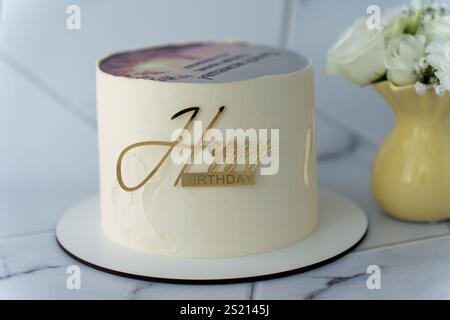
251	295
10	275
135	292
417	269
332	281
3	264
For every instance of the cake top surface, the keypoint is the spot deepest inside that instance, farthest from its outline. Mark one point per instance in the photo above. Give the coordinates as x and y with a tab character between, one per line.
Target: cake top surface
203	62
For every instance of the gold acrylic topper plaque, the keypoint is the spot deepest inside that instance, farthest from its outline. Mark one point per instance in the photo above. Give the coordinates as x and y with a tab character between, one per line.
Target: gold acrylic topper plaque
217	179
228	176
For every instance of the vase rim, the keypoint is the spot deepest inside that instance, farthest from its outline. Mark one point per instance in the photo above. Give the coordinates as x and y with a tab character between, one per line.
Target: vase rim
395	87
386	84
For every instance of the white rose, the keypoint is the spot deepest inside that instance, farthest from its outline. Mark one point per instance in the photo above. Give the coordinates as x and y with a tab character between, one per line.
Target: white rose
438	56
358	55
403	53
437	28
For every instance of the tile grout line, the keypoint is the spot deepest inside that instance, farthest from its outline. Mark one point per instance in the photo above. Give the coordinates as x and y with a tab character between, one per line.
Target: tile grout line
26	234
356	141
387	245
397	244
327	117
352	145
49	91
285	26
251	295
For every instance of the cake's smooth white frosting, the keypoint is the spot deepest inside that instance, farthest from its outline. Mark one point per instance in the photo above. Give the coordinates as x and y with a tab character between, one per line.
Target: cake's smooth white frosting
274	92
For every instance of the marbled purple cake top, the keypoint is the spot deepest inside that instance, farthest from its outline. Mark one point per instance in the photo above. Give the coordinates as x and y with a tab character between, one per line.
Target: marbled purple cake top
203	62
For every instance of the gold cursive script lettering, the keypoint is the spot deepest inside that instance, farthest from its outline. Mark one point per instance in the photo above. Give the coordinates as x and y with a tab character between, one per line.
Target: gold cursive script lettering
213	177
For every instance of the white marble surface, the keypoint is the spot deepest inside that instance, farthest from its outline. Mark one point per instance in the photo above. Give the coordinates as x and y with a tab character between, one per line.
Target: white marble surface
414	270
49	156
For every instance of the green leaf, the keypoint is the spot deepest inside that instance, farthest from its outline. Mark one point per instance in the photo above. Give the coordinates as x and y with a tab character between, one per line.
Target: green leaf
414	23
398	27
383	77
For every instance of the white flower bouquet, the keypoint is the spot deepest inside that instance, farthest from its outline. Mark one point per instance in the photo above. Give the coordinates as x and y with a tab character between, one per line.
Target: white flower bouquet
411	46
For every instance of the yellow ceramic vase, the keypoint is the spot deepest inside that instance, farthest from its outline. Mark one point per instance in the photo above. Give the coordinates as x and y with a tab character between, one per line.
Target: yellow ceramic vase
411	171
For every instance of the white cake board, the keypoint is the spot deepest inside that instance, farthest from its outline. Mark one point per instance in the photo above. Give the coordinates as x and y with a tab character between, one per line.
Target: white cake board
342	225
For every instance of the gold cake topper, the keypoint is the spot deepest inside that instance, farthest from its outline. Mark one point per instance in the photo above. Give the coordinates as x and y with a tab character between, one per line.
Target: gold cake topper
228	176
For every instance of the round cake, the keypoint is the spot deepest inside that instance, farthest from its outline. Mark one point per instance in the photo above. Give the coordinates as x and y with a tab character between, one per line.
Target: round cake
207	149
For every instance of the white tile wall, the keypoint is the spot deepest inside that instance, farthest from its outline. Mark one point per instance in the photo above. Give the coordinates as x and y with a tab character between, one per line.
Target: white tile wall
41	140
48	158
35	34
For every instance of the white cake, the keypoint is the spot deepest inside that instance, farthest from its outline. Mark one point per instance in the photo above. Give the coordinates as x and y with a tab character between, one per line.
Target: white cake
202	212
